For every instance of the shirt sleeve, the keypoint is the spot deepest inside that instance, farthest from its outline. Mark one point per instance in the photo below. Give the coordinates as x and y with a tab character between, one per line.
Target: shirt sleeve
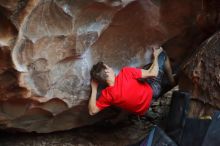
132	72
104	100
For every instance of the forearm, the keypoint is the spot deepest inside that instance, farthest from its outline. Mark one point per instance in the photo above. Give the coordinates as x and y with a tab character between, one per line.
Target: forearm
154	68
92	102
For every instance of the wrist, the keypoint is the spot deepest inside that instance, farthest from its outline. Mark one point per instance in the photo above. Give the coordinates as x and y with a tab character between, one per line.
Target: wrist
156	57
94	88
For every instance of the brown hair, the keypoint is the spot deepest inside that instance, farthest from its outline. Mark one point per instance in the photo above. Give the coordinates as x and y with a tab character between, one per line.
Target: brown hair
98	73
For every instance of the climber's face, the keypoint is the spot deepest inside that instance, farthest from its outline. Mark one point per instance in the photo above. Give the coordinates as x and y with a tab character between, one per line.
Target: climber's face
110	74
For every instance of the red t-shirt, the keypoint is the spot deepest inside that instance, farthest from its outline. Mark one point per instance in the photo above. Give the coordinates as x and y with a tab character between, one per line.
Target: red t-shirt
127	93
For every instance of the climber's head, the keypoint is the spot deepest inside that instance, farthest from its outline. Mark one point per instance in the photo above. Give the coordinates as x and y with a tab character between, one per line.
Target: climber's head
102	73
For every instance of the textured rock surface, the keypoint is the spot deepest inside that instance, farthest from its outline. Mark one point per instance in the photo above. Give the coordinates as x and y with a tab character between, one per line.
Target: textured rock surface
129	131
202	72
49	46
124	134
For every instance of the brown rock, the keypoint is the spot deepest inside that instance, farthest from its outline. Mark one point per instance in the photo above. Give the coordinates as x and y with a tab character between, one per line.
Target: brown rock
48	48
202	71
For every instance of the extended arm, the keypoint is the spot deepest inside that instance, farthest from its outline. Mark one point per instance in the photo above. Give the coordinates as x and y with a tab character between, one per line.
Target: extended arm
93	109
154	68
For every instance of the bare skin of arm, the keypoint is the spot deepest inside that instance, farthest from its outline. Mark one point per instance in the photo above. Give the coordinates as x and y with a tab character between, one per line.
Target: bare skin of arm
93	109
154	68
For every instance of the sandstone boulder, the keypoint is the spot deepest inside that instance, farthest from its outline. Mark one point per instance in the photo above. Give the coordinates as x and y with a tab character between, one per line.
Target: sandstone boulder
49	46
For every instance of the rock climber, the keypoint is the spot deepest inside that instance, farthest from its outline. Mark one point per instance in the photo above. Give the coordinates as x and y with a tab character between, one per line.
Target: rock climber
126	90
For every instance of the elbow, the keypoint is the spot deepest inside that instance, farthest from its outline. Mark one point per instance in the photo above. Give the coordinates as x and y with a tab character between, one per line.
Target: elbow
92	111
149	74
154	74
